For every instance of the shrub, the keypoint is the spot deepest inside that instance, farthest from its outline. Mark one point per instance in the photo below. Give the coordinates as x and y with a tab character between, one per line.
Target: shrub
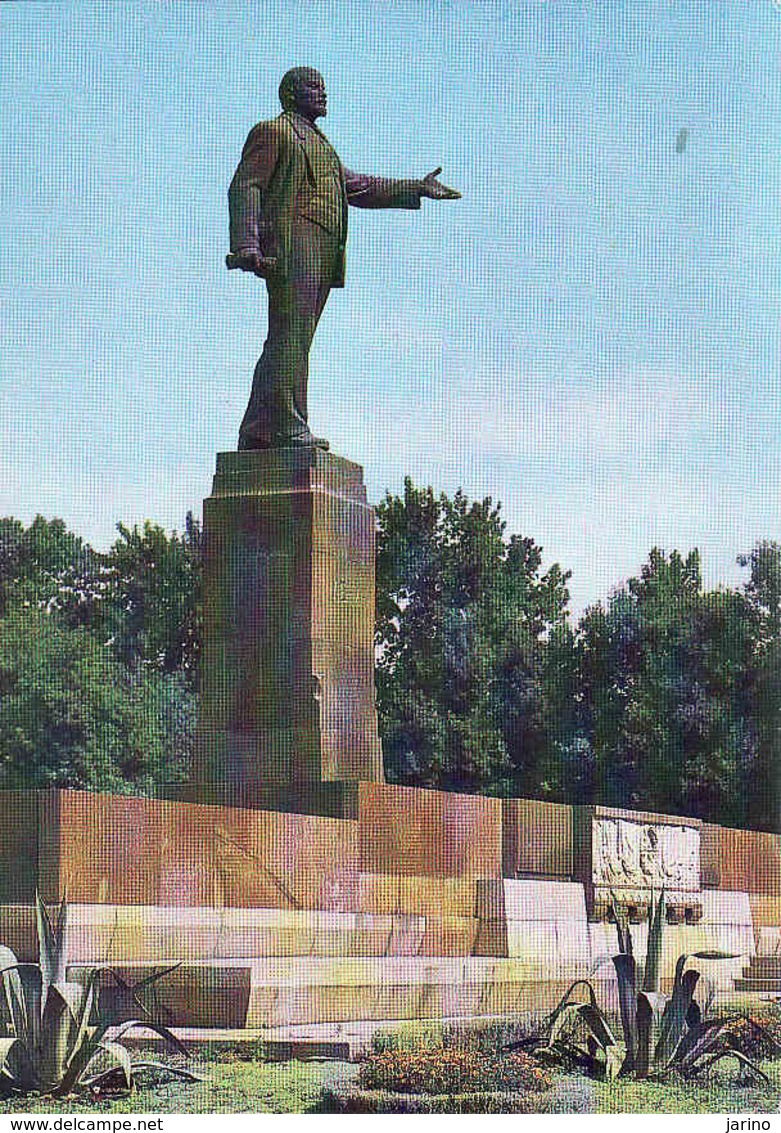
450	1071
389	1101
408	1036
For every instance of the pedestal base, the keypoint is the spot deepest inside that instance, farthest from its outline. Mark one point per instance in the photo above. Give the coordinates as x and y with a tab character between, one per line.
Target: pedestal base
288	664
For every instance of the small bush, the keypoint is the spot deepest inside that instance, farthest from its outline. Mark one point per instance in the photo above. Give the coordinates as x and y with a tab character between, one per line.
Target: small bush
490	1035
449	1070
388	1101
408	1036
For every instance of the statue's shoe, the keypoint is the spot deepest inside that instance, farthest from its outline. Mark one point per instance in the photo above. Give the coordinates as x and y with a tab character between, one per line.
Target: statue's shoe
305	440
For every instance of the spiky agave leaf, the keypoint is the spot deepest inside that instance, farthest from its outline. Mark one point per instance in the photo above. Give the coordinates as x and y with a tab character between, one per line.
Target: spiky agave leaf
565	999
650	1005
84	1042
177	1071
653	957
22	988
626	972
127	1000
159	1029
674	1023
105	1076
16	1068
698	1041
710	1061
682	1012
615	1061
121	1061
58	1027
600	1038
130	1069
567	1016
622	927
51	945
8	959
597	1025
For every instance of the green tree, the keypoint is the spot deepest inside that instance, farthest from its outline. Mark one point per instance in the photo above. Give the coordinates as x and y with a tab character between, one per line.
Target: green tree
463	622
137	609
763	595
664	677
41	562
73	716
152	602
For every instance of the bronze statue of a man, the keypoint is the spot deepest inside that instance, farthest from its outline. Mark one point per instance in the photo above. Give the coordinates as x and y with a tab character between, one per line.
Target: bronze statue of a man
288	224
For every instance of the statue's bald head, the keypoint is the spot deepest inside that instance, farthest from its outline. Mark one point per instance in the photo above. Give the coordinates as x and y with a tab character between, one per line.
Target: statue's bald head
302	89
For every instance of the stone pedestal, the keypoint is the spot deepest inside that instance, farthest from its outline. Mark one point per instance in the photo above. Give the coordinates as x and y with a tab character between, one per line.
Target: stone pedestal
288	664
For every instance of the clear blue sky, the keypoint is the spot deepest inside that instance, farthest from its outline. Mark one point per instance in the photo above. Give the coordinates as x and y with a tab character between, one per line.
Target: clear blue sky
592	335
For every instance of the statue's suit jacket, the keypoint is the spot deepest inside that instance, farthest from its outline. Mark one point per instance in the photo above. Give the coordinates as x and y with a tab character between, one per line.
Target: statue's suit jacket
275	164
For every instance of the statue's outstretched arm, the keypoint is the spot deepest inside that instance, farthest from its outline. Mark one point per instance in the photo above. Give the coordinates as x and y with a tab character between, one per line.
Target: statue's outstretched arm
368	192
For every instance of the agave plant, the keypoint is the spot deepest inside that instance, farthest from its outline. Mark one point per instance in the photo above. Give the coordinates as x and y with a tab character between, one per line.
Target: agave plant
661	1033
58	1032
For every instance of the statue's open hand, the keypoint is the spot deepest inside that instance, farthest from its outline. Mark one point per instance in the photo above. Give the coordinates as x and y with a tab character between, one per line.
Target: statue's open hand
251	261
430	187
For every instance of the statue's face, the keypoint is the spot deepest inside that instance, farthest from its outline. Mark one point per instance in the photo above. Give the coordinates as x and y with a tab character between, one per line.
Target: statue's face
310	96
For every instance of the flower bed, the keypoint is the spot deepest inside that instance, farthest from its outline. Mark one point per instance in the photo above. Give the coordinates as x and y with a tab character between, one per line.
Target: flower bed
758	1034
452	1071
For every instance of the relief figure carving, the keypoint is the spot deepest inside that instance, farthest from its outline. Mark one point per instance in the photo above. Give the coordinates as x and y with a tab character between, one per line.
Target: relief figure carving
645	856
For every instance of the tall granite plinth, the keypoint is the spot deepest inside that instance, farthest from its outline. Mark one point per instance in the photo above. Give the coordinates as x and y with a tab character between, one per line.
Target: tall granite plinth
288	665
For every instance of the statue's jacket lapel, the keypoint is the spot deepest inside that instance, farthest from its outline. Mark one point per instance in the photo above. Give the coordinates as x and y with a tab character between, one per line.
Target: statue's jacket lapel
274	166
279	157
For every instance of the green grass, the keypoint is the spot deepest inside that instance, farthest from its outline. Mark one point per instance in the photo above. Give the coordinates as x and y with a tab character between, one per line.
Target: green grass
228	1087
295	1087
719	1094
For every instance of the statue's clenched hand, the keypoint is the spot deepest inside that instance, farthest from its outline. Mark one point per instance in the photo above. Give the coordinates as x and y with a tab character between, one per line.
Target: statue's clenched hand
430	187
251	261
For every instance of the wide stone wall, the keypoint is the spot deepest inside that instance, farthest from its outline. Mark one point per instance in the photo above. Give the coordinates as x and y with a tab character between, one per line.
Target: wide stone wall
537	839
409	904
391	847
749	860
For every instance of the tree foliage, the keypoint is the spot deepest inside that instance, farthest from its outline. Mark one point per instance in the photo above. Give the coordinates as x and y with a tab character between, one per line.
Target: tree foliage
665	675
73	716
463	617
763	594
41	561
665	696
153	600
98	656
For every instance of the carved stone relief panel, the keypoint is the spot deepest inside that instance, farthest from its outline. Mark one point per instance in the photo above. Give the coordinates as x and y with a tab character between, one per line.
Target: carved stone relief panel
632	856
641	855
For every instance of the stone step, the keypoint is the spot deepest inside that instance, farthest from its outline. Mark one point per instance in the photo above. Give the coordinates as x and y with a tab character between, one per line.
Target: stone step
111	934
770	965
305	990
190	995
754	983
349	1040
259	1042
